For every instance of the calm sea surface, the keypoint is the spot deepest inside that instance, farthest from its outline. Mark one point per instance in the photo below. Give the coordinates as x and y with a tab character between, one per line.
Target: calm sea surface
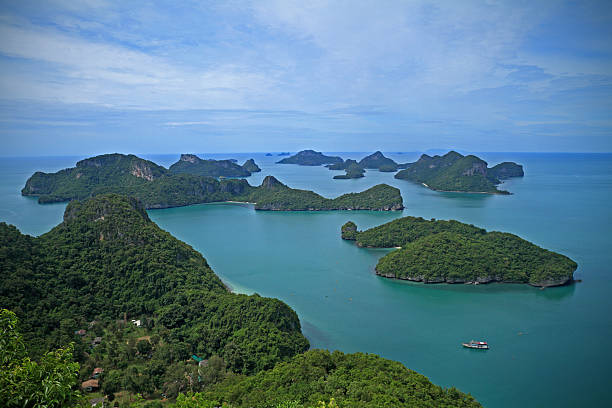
549	347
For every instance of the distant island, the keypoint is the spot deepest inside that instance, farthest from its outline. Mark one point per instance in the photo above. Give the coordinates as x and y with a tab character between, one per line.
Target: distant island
439	251
355	169
158	187
352	168
251	166
454	172
192	164
144	315
273	195
310	158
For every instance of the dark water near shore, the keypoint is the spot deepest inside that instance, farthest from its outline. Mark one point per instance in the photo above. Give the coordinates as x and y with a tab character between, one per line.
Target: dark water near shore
548	347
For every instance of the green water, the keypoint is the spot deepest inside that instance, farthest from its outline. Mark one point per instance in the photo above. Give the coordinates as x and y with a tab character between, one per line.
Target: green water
548	347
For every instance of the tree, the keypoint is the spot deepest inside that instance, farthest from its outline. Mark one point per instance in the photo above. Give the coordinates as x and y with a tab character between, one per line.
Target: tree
50	382
144	347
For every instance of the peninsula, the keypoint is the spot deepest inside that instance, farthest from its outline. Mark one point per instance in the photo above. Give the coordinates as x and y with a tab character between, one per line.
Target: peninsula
310	158
157	187
143	308
437	251
454	172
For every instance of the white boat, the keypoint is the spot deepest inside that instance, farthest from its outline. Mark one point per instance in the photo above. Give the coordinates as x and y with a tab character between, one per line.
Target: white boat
482	345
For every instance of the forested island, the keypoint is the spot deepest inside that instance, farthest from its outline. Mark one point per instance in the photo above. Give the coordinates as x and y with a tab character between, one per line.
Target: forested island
454	172
436	251
310	158
192	164
158	187
142	313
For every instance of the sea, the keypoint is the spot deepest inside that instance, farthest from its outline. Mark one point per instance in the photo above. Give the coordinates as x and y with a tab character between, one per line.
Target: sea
549	348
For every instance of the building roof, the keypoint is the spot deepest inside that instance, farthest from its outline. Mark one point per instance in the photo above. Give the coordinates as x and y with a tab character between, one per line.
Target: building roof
90	383
98	370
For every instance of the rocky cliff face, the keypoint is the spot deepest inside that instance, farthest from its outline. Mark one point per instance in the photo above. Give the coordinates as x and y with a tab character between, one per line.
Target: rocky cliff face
142	170
190	158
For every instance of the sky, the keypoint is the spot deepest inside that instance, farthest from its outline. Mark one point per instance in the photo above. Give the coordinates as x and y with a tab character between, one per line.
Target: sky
94	76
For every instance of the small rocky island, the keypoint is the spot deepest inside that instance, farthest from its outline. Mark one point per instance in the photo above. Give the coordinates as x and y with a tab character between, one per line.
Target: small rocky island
436	251
157	187
192	164
310	158
355	169
351	167
454	172
251	166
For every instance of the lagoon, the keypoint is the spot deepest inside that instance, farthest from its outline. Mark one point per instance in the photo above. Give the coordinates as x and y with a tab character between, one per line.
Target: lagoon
548	347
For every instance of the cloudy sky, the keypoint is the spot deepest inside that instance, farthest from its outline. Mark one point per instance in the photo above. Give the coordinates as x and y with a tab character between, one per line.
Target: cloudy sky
94	76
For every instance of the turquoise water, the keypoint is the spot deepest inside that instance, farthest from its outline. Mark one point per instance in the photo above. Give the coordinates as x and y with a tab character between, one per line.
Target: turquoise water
548	347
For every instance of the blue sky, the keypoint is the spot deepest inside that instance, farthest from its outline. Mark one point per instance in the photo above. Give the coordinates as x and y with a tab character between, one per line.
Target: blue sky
93	76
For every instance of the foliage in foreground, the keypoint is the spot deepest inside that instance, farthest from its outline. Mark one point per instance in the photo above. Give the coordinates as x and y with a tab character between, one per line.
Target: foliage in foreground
50	382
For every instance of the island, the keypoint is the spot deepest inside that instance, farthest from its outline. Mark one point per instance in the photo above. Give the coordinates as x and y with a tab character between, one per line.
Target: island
352	168
310	158
356	169
158	187
192	164
273	195
251	166
436	251
454	172
378	161
144	316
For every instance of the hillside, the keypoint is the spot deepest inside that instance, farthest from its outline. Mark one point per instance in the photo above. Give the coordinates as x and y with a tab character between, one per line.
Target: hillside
458	173
352	380
108	260
157	187
192	164
310	158
438	251
273	195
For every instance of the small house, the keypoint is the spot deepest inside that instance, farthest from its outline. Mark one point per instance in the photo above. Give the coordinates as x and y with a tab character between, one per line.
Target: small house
136	322
90	385
81	332
97	372
96	341
203	363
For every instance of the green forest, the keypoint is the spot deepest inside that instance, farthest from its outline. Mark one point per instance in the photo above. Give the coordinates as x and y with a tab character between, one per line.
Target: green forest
455	172
109	295
157	187
450	251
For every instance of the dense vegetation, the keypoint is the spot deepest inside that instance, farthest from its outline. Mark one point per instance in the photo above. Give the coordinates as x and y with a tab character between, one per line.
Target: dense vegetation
455	172
107	260
157	187
310	158
352	380
192	164
25	383
273	195
454	252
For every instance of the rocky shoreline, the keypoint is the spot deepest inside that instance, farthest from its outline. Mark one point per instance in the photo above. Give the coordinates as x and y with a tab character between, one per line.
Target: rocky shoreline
479	280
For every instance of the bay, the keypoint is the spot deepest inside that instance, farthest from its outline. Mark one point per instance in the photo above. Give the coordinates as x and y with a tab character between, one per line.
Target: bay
548	347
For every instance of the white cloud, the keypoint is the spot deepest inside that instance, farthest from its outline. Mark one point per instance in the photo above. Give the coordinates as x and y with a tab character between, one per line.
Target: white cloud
77	70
